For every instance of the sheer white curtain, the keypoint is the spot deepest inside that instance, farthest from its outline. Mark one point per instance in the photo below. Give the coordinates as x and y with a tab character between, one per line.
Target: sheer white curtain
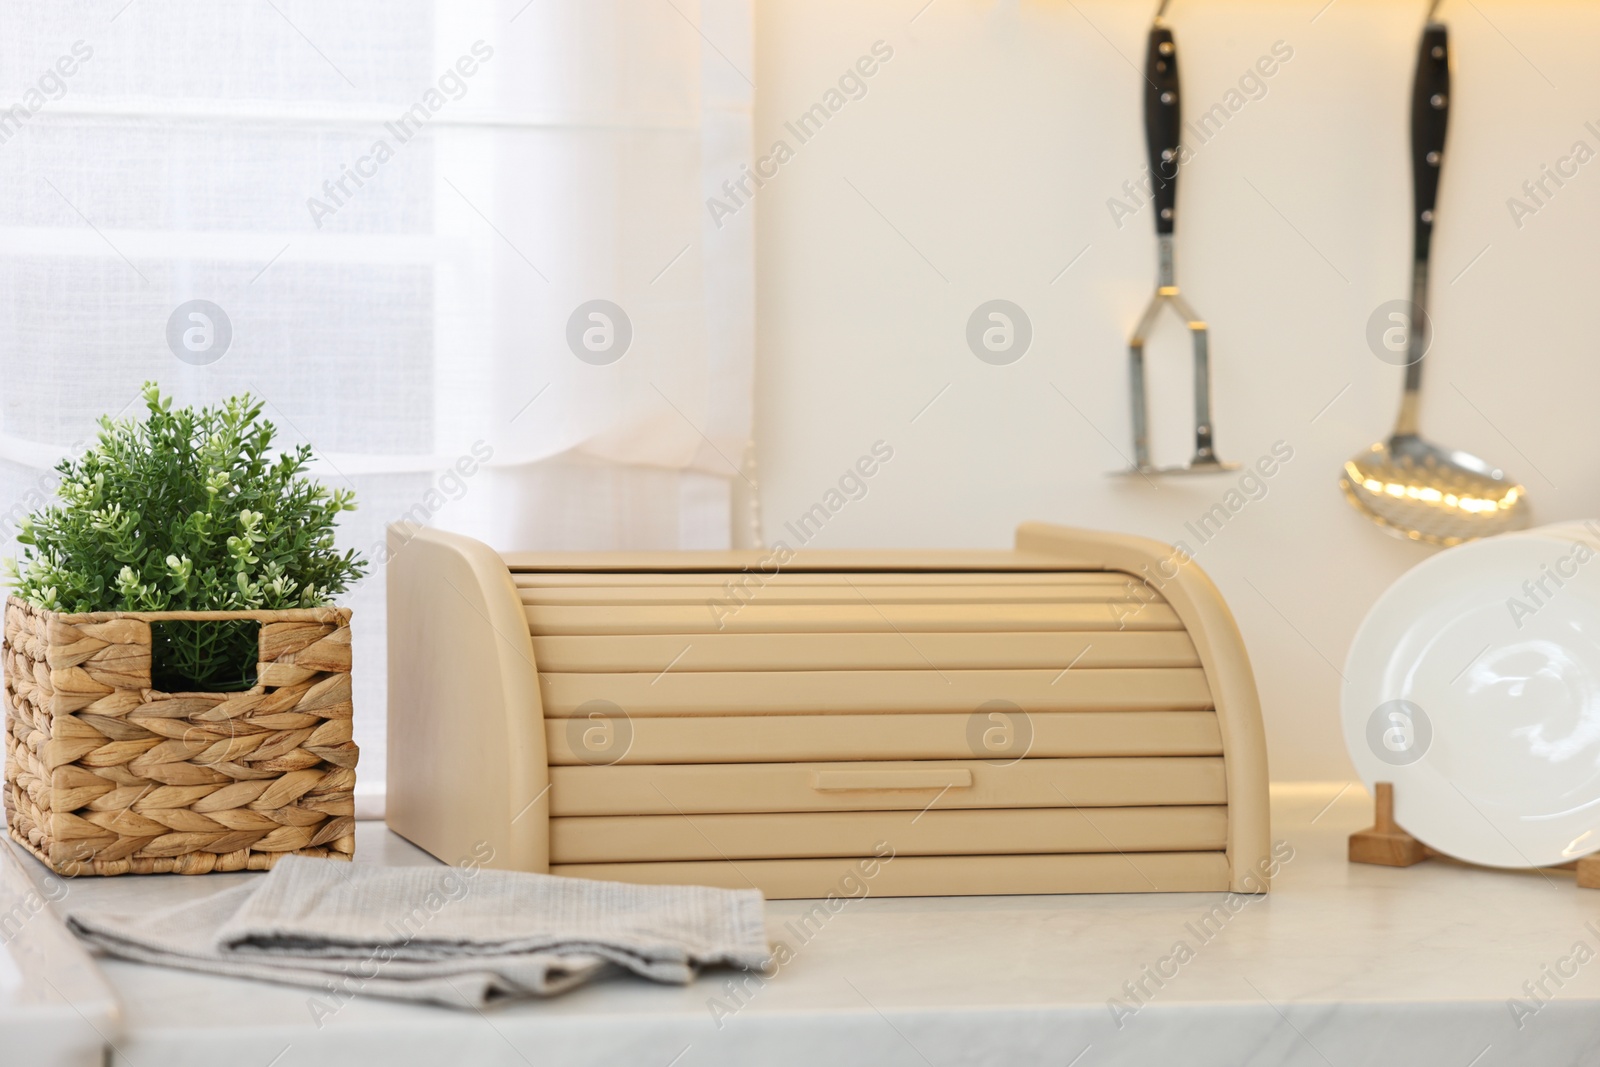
423	230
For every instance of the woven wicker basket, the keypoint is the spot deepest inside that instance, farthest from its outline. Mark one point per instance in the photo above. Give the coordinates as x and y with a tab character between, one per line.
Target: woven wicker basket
105	775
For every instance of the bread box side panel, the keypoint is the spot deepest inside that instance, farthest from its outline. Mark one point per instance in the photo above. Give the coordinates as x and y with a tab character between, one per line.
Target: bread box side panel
1211	627
467	773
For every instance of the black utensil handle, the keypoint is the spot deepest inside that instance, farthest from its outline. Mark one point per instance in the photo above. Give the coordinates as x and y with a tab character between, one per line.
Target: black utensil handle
1430	117
1163	119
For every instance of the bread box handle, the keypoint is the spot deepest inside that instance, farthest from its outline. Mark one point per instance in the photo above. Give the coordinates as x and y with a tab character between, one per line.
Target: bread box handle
894	778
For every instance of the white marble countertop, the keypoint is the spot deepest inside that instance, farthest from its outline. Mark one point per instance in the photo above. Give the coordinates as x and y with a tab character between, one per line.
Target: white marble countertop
56	1009
1340	964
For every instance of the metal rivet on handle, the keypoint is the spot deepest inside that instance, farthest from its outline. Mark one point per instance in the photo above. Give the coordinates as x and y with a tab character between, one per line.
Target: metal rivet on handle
1167	98
1166	212
1433	158
1437	100
1427	216
1438	51
1165	48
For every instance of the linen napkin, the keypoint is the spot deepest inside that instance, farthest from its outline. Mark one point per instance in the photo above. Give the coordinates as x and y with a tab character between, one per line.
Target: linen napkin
457	936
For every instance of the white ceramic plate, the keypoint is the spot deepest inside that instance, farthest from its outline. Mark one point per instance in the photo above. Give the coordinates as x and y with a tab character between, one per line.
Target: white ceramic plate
1473	685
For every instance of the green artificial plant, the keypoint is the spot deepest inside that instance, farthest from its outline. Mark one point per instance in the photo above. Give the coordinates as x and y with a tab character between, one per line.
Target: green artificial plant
187	510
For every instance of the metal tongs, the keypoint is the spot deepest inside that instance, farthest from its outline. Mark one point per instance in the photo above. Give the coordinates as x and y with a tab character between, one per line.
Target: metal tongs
1162	130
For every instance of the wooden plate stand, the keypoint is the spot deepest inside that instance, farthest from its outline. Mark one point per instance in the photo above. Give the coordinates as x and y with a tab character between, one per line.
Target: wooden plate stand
1387	845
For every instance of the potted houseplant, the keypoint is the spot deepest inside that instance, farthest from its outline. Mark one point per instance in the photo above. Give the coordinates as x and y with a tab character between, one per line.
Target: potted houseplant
177	679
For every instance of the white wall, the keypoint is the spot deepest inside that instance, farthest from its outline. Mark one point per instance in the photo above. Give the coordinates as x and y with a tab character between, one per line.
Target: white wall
990	144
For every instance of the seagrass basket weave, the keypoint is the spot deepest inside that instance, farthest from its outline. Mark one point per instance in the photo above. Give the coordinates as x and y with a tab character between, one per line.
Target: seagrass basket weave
106	775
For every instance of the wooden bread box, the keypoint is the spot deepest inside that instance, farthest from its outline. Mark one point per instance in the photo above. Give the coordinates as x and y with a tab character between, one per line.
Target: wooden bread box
1076	715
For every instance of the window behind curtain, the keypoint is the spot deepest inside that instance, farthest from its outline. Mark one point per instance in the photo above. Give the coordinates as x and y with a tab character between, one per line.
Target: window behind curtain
397	314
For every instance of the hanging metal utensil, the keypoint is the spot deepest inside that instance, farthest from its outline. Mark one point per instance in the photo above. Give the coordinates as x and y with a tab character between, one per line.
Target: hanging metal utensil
1163	123
1407	485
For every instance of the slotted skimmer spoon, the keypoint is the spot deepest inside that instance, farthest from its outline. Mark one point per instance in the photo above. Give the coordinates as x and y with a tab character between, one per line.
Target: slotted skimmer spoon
1163	122
1407	485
